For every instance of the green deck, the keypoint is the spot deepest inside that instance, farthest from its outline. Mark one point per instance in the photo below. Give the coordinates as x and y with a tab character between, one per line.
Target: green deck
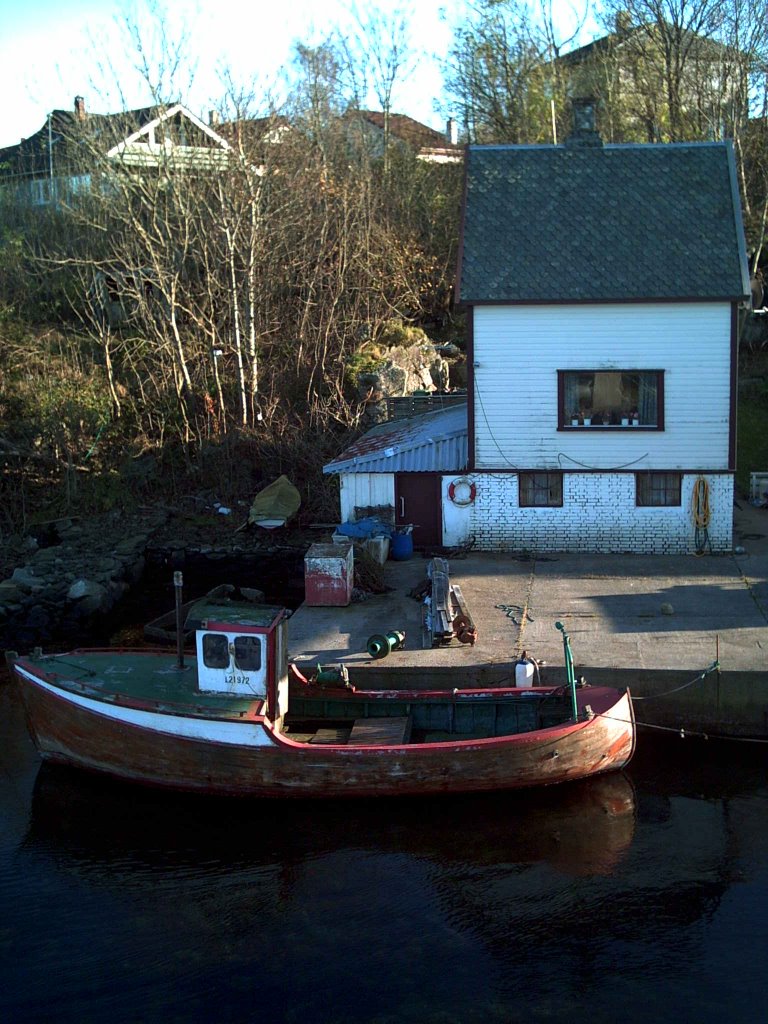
154	677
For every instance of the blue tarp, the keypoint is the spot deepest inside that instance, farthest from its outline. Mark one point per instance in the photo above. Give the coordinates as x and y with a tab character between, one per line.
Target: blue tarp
363	528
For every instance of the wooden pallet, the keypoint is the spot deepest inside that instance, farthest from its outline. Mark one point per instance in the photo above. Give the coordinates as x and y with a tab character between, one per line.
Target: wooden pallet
330	736
381	732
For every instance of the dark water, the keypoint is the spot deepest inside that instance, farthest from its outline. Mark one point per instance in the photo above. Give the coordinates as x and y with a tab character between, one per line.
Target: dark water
639	897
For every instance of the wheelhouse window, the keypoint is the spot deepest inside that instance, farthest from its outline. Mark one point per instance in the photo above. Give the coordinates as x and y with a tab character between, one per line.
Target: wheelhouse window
657	489
623	399
541	490
248	653
215	650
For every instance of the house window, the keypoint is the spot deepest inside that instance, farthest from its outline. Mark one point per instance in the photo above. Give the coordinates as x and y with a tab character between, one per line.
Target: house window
657	489
616	399
541	490
40	191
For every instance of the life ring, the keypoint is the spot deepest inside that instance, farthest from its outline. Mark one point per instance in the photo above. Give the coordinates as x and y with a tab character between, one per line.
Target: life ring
462	491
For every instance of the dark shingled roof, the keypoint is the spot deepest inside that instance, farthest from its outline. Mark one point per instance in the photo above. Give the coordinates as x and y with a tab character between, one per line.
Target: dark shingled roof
601	223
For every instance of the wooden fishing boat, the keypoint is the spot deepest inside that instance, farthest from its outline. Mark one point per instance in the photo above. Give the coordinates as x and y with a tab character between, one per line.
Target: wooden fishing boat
230	721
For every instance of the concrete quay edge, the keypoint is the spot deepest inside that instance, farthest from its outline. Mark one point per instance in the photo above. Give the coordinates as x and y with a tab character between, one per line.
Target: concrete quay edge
653	623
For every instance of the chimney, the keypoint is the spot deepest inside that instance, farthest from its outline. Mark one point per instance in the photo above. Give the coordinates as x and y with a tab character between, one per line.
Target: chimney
584	134
214	118
451	132
79	108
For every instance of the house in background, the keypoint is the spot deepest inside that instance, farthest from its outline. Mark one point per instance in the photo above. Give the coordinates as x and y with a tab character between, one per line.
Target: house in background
429	145
61	158
658	79
601	284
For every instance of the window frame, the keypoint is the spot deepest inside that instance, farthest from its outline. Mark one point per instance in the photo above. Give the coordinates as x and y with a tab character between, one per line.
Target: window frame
212	658
557	474
248	652
676	491
564	417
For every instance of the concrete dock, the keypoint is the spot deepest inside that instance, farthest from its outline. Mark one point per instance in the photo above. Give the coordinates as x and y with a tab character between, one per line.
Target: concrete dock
653	623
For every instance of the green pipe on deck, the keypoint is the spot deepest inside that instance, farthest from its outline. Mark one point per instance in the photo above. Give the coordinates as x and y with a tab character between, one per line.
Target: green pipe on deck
569	672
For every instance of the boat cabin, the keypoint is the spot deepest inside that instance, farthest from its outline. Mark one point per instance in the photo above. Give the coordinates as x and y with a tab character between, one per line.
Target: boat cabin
242	651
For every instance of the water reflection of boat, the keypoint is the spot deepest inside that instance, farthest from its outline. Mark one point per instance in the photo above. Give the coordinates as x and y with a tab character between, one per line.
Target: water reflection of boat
582	829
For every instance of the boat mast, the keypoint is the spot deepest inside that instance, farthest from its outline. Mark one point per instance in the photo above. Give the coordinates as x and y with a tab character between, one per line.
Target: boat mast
570	675
178	583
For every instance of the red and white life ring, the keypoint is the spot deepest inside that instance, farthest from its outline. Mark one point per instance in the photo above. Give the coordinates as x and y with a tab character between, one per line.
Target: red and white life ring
462	491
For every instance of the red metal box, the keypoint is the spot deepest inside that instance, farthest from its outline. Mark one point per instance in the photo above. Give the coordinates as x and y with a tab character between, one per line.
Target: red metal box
329	574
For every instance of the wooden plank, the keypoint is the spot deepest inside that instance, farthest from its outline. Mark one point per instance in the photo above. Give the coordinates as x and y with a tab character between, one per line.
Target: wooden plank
439	601
380	732
330	736
461	604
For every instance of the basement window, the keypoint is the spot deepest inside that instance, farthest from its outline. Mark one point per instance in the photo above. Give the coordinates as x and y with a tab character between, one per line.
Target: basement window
658	489
612	399
541	490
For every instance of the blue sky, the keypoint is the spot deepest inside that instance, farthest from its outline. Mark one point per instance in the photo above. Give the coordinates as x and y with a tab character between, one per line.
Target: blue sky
51	51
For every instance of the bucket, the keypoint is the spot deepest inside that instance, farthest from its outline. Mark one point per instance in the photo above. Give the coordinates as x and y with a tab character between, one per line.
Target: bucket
402	546
524	674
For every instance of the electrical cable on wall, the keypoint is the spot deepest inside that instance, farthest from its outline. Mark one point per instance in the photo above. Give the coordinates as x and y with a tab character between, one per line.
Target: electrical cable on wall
605	469
490	432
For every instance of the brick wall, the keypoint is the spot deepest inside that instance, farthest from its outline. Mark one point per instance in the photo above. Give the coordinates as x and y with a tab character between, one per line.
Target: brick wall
598	515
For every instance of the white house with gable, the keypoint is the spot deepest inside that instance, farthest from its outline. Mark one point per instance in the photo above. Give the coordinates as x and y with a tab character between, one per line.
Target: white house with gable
601	285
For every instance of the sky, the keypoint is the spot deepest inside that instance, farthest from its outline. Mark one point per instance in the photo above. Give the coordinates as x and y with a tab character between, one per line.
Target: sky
52	51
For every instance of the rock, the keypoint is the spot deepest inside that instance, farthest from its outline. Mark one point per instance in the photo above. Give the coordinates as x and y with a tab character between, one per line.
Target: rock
45	556
131	545
82	588
667	609
134	571
70	532
38	619
108	566
26	578
11	593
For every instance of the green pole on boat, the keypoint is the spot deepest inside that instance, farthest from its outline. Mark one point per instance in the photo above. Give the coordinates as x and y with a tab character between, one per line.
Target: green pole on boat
570	675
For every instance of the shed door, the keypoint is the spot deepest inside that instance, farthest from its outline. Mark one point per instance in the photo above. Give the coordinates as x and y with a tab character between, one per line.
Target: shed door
417	501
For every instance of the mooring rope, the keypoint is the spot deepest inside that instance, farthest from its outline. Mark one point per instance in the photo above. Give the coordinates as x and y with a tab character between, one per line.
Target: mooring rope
715	666
681	731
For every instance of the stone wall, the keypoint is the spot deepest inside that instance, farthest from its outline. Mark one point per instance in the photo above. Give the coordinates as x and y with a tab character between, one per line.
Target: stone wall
76	573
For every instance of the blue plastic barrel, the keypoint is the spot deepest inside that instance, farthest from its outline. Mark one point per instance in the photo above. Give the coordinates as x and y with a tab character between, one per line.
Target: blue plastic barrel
401	548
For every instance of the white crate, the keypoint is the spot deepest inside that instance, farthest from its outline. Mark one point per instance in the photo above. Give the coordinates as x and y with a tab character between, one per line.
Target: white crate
758	486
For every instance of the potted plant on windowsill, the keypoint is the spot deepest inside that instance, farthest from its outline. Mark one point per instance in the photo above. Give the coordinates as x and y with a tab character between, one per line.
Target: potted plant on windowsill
634	417
585	417
625	418
575	418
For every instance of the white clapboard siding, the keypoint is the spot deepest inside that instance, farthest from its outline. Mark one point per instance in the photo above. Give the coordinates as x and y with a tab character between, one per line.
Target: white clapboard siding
364	490
519	349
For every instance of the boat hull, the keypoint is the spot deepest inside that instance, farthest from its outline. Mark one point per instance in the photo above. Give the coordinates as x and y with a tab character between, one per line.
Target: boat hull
246	757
